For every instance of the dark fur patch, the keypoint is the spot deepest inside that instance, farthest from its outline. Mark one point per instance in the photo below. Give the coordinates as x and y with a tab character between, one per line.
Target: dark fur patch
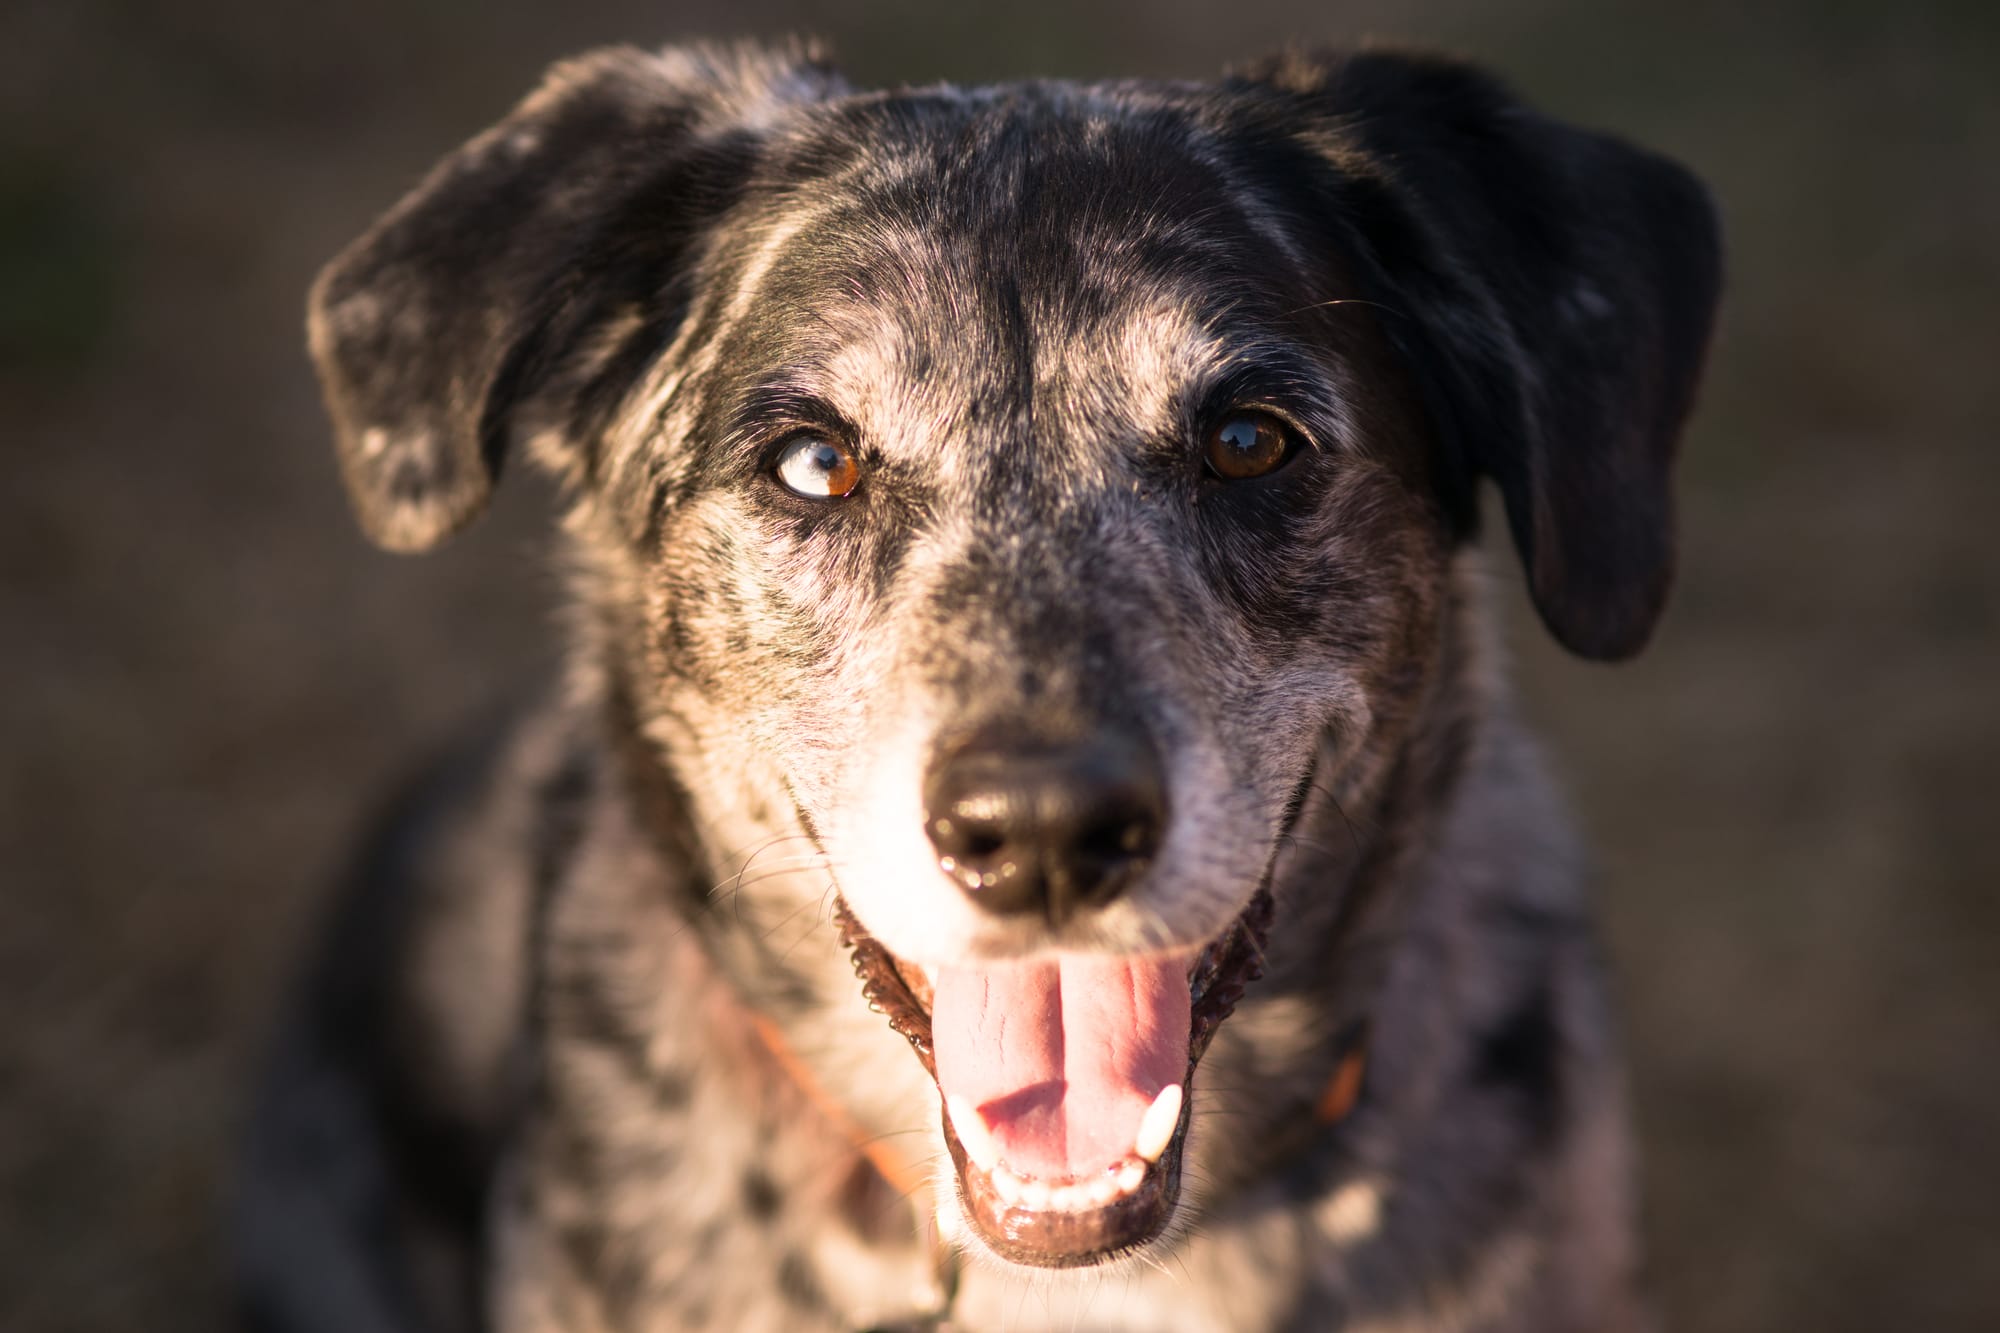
797	1284
1521	1057
760	1194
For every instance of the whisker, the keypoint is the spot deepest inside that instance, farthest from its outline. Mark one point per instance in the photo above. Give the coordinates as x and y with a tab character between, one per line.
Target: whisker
770	873
1349	300
751	860
810	904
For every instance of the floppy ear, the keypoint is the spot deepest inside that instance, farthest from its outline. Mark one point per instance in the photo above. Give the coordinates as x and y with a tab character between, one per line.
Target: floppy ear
532	273
1552	290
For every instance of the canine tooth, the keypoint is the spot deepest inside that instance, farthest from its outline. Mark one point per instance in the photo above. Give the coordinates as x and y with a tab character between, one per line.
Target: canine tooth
1007	1185
1130	1173
973	1135
1035	1194
1157	1129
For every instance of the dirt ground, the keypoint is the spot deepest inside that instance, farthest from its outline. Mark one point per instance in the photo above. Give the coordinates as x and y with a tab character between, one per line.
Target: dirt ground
205	674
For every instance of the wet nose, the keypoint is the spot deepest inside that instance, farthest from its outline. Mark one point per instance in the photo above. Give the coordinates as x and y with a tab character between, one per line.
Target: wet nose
1046	830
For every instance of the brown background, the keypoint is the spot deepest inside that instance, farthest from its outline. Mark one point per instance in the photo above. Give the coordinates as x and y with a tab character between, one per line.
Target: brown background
204	673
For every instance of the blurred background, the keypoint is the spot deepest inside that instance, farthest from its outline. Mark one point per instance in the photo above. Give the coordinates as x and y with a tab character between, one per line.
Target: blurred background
206	677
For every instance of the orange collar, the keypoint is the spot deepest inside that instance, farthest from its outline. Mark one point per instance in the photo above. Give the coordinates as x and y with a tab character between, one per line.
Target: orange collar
893	1166
1343	1090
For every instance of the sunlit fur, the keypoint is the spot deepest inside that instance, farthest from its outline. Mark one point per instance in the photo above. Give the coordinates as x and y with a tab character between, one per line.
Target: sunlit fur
1023	308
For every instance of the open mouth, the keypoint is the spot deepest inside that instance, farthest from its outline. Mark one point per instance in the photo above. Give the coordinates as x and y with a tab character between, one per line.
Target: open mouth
1065	1083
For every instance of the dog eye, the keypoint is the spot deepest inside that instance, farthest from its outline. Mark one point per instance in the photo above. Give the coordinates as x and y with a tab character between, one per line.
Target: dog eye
1246	445
819	468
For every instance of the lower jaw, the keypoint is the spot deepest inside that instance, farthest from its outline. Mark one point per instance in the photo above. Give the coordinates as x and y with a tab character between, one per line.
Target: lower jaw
1076	1237
1043	1234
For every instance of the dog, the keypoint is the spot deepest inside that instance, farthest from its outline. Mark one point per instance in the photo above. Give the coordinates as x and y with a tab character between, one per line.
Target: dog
1032	832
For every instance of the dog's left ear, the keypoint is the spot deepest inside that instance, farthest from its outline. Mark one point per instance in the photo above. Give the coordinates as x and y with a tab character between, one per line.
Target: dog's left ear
1552	291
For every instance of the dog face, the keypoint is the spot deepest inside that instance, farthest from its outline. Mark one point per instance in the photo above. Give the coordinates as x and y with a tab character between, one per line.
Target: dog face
1005	507
955	499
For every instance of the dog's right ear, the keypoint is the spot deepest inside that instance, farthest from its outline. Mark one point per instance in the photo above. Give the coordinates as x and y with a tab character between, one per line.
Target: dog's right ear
531	267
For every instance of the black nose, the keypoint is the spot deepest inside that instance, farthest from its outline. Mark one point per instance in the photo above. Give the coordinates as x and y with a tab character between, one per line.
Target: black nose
1046	829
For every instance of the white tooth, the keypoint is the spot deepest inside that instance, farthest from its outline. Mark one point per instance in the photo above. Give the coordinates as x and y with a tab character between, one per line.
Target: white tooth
1157	1129
1130	1174
973	1135
1007	1185
1035	1194
1065	1198
1102	1191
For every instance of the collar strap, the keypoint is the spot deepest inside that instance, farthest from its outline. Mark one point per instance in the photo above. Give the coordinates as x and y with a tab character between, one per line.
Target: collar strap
907	1180
910	1183
1343	1090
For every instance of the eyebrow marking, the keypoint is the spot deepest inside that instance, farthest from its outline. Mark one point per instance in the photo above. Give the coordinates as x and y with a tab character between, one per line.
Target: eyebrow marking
751	279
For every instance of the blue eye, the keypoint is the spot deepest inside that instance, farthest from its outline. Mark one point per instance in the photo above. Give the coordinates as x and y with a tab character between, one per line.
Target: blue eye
819	468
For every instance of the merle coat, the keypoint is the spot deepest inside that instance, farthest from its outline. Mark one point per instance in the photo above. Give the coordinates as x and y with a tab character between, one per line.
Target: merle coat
587	1049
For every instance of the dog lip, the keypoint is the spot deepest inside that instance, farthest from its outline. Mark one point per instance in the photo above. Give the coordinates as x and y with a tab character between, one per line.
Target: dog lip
1051	1237
885	986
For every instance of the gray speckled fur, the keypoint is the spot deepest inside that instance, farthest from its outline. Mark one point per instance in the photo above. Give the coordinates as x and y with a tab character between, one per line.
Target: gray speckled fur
525	1088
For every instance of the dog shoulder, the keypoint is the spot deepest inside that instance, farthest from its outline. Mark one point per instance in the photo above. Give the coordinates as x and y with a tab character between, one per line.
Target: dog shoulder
388	1089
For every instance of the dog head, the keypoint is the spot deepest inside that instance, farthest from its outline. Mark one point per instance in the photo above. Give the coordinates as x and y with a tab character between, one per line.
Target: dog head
1022	497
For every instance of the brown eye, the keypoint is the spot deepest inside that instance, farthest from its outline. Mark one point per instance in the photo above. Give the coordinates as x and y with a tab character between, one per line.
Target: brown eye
1245	445
819	468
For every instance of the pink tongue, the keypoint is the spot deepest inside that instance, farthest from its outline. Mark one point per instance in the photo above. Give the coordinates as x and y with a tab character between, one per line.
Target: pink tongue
1062	1059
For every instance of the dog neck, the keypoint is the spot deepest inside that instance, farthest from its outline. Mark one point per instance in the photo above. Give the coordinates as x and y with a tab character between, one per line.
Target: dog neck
1342	886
